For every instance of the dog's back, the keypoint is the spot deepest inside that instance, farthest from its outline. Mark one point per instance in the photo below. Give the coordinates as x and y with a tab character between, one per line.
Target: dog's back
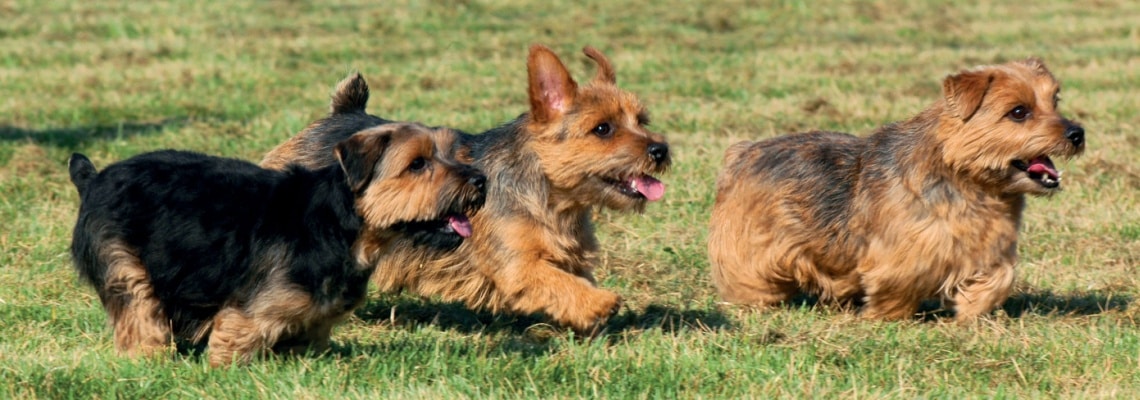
192	221
817	169
176	212
774	199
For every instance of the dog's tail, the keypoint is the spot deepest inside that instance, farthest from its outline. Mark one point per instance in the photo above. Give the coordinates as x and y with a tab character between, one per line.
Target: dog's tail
81	170
351	95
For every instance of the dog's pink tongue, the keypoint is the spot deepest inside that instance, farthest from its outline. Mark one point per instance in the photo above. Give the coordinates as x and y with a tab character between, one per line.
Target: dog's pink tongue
460	224
649	187
1042	165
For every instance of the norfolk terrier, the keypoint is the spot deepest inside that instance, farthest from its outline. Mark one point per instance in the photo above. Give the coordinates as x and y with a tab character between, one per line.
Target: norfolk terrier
920	209
533	248
184	246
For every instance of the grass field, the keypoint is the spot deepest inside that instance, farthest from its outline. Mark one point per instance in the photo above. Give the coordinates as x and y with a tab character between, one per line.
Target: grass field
115	78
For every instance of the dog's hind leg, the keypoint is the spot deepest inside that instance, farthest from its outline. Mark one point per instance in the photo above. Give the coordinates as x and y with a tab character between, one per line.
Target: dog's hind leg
141	326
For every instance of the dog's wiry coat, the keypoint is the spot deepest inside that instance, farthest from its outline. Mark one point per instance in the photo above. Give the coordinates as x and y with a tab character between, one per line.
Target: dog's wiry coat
533	248
181	245
926	208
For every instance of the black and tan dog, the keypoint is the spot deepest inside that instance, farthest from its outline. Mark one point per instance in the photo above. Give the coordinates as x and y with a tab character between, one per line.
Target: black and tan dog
185	246
534	248
924	208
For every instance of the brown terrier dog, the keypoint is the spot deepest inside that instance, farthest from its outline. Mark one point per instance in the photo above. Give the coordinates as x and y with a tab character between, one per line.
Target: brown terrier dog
533	248
185	246
920	209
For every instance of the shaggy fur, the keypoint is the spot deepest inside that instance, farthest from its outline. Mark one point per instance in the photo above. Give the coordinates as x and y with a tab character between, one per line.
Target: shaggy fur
926	208
185	246
533	250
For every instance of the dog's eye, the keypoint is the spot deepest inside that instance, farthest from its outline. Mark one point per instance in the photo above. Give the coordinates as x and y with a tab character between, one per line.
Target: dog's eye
1019	113
418	164
603	130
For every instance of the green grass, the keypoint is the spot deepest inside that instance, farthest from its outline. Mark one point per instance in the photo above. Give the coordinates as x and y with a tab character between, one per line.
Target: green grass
112	79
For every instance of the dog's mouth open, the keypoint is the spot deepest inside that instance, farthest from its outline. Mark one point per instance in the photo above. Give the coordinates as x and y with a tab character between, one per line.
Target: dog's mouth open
446	232
458	224
1041	170
639	187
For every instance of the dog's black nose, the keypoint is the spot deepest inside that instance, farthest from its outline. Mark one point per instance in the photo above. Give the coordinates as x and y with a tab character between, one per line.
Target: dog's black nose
659	152
1075	134
478	181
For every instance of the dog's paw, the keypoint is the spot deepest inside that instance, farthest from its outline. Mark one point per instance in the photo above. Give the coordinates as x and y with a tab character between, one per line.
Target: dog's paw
594	311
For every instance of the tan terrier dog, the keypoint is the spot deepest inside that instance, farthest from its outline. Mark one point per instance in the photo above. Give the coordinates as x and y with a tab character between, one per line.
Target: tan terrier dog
926	208
533	248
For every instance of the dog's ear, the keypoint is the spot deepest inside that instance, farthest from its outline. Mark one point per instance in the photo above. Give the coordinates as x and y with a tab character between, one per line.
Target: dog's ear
1034	63
358	156
550	87
1037	65
964	92
606	72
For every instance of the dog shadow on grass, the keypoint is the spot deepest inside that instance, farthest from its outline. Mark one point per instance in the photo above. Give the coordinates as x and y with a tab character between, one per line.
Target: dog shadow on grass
1027	301
411	311
78	136
524	335
1044	302
532	336
408	312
